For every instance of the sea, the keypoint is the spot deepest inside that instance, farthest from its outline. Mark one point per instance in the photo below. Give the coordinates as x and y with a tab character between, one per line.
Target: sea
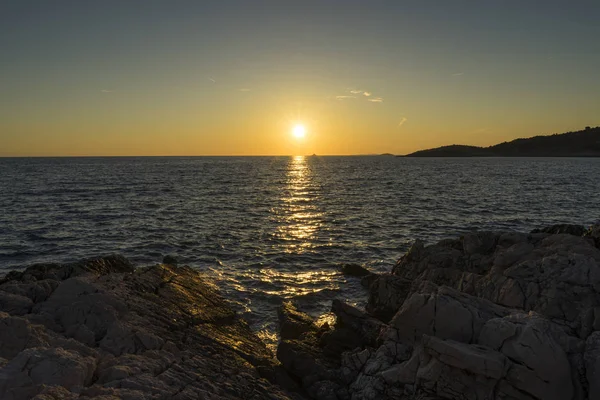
272	229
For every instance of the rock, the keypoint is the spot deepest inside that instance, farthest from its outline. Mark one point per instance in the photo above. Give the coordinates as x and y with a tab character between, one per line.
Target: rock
17	334
365	326
476	359
15	304
592	364
59	272
405	372
498	316
354	270
576	230
23	376
292	323
386	295
479	242
445	313
99	329
594	233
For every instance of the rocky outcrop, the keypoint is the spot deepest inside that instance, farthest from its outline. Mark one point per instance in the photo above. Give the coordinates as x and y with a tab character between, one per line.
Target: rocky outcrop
487	316
102	329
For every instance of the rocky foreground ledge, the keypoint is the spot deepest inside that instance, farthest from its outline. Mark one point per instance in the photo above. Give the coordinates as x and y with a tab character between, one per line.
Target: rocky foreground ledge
485	316
101	329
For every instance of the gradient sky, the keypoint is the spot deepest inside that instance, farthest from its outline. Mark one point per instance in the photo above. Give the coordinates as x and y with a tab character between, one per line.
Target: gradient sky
232	77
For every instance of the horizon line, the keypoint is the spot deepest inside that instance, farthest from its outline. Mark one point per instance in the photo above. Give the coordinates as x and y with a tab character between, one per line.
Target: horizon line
209	155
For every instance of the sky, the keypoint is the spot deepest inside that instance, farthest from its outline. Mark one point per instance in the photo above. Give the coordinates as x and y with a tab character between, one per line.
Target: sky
171	77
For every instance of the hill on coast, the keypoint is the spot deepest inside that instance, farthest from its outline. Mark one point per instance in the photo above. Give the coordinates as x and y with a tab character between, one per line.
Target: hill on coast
584	143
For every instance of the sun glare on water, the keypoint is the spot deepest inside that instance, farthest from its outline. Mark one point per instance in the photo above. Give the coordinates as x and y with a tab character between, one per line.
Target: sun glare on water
299	131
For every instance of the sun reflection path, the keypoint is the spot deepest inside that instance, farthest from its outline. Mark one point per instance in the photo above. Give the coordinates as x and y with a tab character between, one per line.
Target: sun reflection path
299	218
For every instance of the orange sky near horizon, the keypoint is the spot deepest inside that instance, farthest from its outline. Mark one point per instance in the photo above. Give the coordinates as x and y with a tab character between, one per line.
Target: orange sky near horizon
233	78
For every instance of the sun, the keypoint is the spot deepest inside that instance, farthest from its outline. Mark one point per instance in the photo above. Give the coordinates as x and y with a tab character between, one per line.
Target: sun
299	131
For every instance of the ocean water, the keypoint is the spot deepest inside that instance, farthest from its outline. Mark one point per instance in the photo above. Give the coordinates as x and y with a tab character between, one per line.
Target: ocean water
269	229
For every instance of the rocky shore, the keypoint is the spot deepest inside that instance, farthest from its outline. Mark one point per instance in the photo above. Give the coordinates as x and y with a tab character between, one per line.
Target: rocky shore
488	315
485	316
101	329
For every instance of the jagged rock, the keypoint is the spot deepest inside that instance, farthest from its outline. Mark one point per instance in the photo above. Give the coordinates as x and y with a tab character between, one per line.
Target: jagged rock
365	326
99	329
445	313
354	270
494	316
476	359
292	323
386	295
541	274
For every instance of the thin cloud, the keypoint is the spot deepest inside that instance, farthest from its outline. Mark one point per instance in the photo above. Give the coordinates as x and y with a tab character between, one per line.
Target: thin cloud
344	97
212	80
356	91
244	90
376	100
106	91
367	94
402	121
458	74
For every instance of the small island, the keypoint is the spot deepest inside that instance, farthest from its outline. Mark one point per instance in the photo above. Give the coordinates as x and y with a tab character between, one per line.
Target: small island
584	143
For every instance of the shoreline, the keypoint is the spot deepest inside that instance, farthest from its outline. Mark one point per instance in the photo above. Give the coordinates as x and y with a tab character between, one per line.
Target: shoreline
488	315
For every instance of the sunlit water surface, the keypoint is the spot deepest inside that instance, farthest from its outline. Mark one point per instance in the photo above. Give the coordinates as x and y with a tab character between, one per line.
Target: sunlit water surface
266	229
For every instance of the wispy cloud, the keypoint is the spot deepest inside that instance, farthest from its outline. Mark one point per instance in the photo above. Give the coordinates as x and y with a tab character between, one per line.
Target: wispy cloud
402	121
367	94
244	90
376	100
106	91
356	91
458	74
344	97
212	80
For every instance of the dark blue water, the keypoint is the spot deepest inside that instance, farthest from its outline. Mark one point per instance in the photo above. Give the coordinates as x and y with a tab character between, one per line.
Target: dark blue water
273	228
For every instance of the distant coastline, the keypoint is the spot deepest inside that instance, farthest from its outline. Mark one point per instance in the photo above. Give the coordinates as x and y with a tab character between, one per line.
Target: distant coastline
584	143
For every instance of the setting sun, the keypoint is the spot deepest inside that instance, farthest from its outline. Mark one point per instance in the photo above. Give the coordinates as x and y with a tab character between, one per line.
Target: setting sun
299	131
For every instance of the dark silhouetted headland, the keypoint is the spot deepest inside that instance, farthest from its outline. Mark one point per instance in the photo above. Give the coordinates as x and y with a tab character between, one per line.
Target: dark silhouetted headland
584	143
